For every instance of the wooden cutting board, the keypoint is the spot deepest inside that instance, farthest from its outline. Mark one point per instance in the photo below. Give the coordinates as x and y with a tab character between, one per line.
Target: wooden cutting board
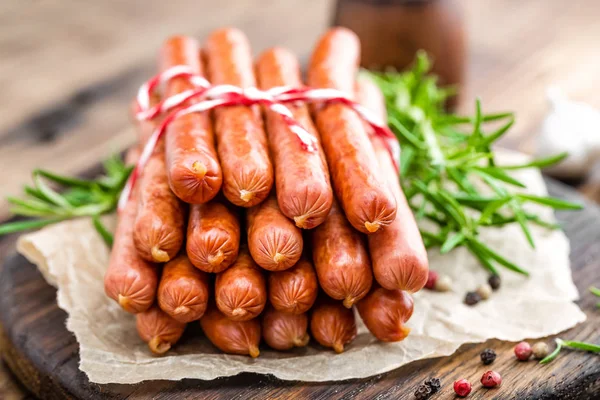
44	355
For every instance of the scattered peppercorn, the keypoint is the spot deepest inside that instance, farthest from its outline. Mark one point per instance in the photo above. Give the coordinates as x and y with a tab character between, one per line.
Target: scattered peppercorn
431	280
494	282
434	384
485	291
488	356
491	379
423	392
523	351
462	387
540	350
443	284
472	298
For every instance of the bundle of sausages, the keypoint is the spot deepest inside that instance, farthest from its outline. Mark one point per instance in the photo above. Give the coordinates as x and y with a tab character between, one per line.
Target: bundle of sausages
295	239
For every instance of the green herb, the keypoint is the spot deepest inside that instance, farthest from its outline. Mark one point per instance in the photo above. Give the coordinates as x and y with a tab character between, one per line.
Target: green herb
595	291
77	198
560	344
444	155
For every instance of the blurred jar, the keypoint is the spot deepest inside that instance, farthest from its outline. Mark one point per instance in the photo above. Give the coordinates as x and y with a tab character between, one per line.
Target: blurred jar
392	31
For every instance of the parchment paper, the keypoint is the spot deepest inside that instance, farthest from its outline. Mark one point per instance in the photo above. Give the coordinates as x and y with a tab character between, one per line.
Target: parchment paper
72	257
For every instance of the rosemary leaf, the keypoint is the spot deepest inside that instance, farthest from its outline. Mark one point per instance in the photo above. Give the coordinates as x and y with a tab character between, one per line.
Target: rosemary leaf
19	226
540	163
557	204
581	346
104	233
451	242
550	357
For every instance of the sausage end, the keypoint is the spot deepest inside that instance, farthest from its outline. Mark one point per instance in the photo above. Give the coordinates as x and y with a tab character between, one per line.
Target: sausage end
349	301
158	346
302	341
199	169
253	351
372	227
246	195
338	347
159	255
215	260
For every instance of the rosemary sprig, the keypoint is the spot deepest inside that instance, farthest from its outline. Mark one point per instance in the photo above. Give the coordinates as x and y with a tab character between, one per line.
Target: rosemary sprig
77	198
560	344
443	157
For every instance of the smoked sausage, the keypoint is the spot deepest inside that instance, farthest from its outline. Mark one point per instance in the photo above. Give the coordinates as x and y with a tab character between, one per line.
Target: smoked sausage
183	290
398	253
341	259
192	165
302	181
159	330
274	241
241	290
130	280
385	312
283	331
241	139
213	236
231	337
159	222
294	290
332	324
367	202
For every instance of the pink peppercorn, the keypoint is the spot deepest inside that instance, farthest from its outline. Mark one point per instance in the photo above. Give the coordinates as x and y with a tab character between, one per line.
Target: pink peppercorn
462	387
491	379
431	280
523	351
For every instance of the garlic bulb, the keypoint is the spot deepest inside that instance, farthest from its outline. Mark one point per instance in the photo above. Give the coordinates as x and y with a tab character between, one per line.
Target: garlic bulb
573	127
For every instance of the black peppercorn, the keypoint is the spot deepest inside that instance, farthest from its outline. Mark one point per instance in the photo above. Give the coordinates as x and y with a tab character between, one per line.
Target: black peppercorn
472	298
423	392
434	384
494	282
488	356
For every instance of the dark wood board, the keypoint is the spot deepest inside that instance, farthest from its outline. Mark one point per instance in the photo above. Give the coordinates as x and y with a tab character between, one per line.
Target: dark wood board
44	355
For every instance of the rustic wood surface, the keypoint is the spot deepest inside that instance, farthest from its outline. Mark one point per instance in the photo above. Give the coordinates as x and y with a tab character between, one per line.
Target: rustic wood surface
69	69
44	354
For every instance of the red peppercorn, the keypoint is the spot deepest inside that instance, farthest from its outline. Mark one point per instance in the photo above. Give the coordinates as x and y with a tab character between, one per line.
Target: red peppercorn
431	280
491	379
462	387
523	351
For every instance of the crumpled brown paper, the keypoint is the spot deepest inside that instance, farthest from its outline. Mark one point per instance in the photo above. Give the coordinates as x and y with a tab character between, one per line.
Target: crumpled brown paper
72	257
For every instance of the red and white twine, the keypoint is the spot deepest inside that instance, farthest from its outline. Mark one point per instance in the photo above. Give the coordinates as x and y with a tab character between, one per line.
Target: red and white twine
208	97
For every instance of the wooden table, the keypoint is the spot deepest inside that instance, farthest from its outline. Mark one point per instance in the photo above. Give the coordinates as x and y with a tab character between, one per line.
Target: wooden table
70	68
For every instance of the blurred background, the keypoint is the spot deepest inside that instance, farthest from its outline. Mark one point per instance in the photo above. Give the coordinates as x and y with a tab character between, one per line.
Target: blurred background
69	68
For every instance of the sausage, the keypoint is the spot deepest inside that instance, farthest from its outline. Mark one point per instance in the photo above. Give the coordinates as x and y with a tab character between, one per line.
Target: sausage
294	290
183	290
192	165
213	236
368	203
159	330
160	221
241	139
341	259
304	191
274	241
385	312
231	337
398	253
241	290
283	331
129	280
332	324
